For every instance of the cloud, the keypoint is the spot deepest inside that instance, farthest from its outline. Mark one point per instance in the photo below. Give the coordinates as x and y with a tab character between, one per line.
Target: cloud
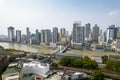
114	13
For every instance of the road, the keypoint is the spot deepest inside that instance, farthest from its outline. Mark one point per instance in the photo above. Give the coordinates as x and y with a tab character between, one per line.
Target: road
110	75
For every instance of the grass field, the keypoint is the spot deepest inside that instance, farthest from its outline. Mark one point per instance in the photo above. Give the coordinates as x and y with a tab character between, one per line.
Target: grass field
91	53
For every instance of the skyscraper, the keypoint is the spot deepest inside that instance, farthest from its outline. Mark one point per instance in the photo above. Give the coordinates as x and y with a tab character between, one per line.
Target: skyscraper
87	30
95	33
47	36
55	35
62	31
11	33
28	35
112	32
78	34
18	35
37	37
118	39
42	36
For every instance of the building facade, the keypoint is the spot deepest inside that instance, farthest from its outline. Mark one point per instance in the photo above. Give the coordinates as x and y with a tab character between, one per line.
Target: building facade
18	35
87	30
55	35
78	35
112	32
37	37
11	36
28	35
95	33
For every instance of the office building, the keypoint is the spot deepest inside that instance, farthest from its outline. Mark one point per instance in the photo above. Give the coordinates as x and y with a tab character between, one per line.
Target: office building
78	35
28	35
18	35
55	35
87	30
95	33
11	36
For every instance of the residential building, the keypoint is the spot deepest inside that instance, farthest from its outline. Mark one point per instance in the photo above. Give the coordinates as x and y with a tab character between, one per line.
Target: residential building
55	35
42	36
87	30
46	36
28	35
62	31
118	39
11	36
78	34
18	35
95	33
37	37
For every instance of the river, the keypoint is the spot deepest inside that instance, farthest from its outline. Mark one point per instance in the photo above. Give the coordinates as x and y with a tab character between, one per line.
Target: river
28	48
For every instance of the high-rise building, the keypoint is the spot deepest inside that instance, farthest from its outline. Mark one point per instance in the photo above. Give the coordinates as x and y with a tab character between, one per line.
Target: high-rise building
55	35
47	36
11	33
118	39
62	31
37	37
28	35
42	36
78	34
95	33
87	30
18	35
112	32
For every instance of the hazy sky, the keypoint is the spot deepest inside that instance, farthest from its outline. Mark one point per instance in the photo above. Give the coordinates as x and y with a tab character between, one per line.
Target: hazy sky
42	14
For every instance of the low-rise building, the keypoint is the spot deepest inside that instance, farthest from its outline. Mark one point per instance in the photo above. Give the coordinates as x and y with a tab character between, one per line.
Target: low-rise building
114	57
36	67
98	59
11	73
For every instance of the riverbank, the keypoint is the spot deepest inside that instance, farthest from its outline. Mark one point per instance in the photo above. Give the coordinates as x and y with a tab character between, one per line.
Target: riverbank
28	48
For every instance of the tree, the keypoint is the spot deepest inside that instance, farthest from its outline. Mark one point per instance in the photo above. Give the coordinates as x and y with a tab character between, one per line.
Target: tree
77	63
88	63
104	58
113	65
55	65
66	61
97	75
94	64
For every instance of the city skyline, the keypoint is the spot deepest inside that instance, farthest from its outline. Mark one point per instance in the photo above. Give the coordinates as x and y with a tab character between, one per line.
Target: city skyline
44	14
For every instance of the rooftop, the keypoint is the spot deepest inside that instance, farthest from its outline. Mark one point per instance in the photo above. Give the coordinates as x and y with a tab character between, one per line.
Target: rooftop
68	54
28	78
11	70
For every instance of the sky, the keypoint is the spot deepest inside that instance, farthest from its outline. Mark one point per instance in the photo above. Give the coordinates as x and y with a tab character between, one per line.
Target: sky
46	14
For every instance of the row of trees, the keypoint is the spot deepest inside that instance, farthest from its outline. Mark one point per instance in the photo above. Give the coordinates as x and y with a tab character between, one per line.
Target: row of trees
113	65
86	62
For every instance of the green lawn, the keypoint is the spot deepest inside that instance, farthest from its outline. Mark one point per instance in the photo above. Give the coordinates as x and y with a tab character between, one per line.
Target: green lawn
91	53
